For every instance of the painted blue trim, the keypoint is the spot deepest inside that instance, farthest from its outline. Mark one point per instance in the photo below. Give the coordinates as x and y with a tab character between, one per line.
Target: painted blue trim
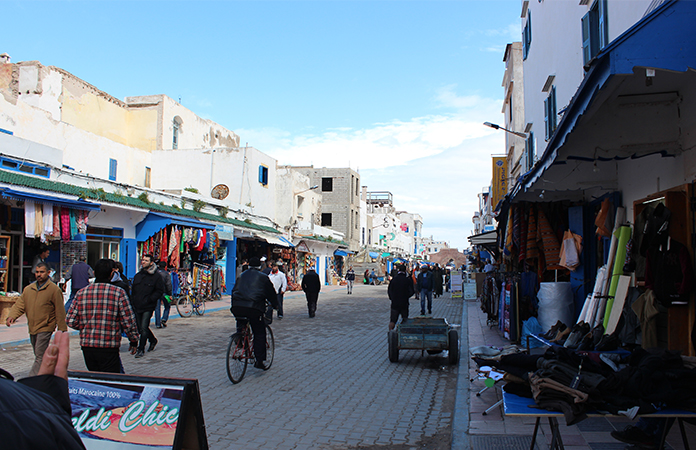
40	198
154	222
129	257
231	268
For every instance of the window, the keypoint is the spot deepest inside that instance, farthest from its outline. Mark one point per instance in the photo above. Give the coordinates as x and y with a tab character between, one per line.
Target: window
527	36
550	113
357	187
529	151
19	166
327	184
148	177
263	175
176	127
595	32
325	219
113	164
357	219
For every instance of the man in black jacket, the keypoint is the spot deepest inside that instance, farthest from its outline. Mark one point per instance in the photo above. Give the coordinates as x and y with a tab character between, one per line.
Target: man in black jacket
400	290
311	285
147	288
249	296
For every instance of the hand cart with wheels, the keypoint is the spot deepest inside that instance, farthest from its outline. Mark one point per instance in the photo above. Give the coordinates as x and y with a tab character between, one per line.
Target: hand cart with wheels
424	334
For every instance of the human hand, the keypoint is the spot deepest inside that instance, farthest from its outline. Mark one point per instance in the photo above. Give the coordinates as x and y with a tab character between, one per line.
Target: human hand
133	348
10	321
57	356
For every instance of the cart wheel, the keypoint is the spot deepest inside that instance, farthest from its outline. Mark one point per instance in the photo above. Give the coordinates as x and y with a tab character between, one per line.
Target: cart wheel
453	346
393	339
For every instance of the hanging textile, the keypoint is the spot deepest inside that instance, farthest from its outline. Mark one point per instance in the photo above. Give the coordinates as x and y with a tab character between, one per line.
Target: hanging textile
175	252
56	221
548	242
65	224
532	249
523	235
507	251
201	241
516	226
172	242
81	218
29	219
38	222
164	252
48	219
73	222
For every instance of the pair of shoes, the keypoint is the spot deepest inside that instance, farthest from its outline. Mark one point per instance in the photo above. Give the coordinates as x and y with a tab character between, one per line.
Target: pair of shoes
561	335
139	354
164	324
634	435
558	326
152	347
158	326
580	330
259	365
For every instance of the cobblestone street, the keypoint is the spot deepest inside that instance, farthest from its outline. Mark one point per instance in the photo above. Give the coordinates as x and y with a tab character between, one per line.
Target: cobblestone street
331	385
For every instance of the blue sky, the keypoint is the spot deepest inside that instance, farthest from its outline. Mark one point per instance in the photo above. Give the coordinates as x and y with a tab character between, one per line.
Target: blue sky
395	89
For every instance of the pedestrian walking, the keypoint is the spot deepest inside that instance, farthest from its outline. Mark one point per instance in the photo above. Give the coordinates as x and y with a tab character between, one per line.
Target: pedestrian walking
79	274
414	276
42	302
280	284
350	279
437	281
161	319
311	285
249	297
118	279
399	291
100	311
425	284
147	288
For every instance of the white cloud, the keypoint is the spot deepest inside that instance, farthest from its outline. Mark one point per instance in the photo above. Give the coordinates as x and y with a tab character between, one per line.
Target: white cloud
434	165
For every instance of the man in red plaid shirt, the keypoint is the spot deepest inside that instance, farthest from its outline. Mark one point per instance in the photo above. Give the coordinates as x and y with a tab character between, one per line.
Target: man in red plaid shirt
100	312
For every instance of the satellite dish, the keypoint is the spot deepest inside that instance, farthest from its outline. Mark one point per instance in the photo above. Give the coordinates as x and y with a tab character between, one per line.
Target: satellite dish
220	192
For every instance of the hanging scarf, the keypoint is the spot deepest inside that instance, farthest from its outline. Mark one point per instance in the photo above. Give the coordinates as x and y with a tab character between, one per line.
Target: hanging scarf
164	252
523	234
56	222
548	242
65	224
38	222
29	219
73	223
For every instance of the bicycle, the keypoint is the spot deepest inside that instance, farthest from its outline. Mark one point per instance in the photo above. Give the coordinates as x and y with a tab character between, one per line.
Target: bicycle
189	302
240	352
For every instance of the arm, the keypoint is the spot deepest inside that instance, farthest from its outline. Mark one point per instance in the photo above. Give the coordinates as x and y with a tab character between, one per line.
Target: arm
270	293
284	286
59	307
168	284
16	311
72	319
90	272
158	292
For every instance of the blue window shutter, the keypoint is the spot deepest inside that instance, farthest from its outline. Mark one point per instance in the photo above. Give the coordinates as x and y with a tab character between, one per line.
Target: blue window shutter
586	52
553	111
603	25
113	164
261	174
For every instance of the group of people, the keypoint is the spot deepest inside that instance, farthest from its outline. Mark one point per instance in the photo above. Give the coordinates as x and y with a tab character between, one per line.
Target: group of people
258	291
102	311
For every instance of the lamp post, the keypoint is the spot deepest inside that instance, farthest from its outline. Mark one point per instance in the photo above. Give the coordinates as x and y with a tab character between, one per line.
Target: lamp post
498	127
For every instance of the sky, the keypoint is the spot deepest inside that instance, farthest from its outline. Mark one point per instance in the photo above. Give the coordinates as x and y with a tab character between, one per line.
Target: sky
397	90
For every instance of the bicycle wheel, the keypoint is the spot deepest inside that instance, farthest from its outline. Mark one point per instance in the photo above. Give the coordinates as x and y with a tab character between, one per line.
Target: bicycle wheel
184	306
270	348
237	358
199	306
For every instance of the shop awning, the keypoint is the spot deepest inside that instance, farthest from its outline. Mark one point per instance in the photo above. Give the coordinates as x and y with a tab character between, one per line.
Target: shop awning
489	237
273	239
340	253
620	112
374	255
386	255
41	198
155	221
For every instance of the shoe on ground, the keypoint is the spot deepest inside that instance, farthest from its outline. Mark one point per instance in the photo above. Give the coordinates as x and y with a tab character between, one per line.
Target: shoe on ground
430	312
280	317
164	324
636	436
158	326
259	365
152	347
139	354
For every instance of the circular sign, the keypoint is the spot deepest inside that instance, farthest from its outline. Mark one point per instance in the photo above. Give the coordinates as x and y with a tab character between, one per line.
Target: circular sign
220	192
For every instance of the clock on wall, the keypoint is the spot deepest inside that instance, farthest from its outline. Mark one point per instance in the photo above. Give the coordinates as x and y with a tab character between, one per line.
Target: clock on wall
220	192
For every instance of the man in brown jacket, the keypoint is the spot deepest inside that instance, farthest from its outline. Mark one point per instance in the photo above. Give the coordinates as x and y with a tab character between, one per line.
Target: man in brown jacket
42	302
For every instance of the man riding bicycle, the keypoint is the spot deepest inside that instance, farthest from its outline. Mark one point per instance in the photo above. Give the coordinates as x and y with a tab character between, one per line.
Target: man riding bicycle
249	296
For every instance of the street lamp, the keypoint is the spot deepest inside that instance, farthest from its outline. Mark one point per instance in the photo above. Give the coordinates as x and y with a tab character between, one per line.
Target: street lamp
498	127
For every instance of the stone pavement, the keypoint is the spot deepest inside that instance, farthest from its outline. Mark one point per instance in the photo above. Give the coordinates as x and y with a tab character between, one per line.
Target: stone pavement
331	385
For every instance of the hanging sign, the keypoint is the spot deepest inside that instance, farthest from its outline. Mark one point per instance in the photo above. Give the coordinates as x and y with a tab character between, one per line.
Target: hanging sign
302	247
499	181
456	283
112	411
